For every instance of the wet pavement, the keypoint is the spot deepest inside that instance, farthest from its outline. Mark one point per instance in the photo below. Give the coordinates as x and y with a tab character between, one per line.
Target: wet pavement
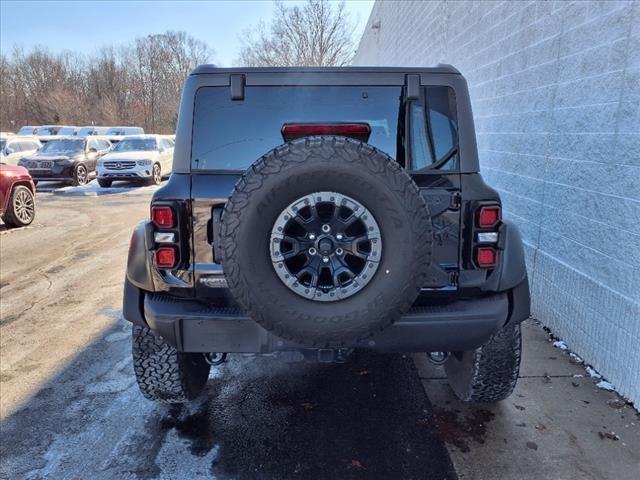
260	418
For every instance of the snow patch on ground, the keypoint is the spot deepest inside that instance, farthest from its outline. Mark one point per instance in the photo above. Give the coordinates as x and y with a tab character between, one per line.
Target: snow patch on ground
118	379
216	371
593	373
191	466
604	385
575	358
560	344
117	336
92	189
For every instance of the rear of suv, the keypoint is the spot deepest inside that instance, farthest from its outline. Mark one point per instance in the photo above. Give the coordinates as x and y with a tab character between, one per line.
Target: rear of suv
318	211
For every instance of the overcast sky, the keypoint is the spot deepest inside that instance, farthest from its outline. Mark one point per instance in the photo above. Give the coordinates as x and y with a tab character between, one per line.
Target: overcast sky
85	26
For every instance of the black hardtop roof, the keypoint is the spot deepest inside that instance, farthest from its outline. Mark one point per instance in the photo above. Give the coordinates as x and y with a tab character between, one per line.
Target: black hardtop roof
210	68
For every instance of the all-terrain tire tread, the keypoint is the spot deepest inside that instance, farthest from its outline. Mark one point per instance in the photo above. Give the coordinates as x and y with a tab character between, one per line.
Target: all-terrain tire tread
164	374
496	366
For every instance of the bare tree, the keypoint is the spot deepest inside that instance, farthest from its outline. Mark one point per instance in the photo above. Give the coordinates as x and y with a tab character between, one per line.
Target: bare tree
316	34
137	84
160	65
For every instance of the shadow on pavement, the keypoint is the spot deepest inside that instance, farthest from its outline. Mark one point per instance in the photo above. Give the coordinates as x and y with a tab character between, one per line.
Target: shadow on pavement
259	418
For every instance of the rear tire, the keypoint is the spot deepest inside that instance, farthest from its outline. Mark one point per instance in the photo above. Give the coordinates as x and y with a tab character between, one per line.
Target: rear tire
490	372
164	374
21	209
104	183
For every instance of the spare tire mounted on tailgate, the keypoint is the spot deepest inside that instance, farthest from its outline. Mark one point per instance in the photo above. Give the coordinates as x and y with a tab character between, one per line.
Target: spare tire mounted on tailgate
325	241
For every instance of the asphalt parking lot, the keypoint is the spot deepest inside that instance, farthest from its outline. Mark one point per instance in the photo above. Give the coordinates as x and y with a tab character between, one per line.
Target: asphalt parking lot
70	408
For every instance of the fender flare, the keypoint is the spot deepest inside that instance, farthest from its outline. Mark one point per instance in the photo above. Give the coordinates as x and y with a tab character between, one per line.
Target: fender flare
138	279
513	269
139	259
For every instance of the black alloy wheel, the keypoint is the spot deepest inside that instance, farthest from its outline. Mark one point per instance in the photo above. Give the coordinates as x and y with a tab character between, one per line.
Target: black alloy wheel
326	246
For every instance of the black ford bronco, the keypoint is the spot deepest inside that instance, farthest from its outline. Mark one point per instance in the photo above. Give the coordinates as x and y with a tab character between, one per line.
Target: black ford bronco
313	211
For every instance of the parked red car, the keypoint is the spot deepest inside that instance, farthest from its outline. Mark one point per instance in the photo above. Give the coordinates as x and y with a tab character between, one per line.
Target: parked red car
17	196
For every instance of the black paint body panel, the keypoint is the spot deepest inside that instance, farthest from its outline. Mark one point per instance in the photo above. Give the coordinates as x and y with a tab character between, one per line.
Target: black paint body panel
460	305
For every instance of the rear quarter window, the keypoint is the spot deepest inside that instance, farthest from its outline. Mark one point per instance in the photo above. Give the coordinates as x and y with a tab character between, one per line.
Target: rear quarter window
231	135
433	130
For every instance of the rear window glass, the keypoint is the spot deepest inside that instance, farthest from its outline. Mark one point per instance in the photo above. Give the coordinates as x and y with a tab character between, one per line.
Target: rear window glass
135	145
231	135
63	145
434	130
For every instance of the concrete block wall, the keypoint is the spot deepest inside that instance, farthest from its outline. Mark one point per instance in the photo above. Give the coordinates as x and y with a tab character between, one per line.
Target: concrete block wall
555	89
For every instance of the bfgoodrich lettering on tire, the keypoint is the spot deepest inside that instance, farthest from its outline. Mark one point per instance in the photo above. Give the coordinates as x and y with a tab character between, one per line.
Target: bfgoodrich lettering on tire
325	241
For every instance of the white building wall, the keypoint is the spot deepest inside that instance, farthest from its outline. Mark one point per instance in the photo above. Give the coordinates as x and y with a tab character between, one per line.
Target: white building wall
555	89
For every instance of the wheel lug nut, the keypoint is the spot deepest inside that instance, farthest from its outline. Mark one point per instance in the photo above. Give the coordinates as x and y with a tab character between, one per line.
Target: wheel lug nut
339	236
312	236
312	251
326	228
339	251
325	259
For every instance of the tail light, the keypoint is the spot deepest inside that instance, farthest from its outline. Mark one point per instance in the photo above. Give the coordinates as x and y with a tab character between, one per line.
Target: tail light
359	131
486	257
165	257
168	243
489	216
486	235
162	216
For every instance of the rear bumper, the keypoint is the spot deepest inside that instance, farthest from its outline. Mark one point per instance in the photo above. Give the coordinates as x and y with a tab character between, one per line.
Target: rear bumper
457	325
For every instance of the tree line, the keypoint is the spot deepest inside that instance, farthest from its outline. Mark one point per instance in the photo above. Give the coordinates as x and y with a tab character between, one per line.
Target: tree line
136	84
140	83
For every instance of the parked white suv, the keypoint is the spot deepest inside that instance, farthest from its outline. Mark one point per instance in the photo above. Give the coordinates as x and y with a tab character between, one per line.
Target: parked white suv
15	147
115	134
91	130
28	130
52	132
144	158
